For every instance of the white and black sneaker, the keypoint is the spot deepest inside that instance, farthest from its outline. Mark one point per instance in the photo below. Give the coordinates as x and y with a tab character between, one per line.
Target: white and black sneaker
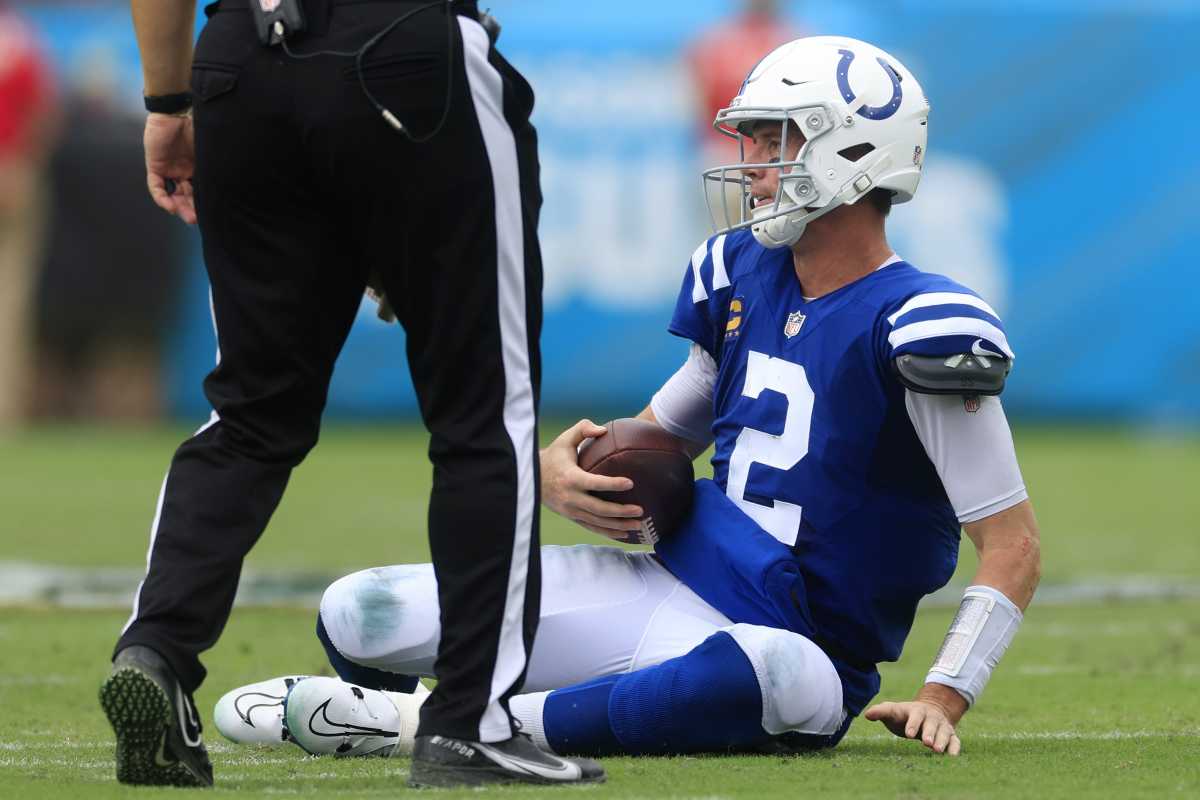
327	716
253	714
443	761
156	723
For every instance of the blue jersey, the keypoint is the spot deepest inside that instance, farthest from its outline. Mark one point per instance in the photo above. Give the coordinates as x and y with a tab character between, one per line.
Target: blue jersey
813	440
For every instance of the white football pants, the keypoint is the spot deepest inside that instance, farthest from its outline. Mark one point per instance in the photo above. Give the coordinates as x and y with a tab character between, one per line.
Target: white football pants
604	611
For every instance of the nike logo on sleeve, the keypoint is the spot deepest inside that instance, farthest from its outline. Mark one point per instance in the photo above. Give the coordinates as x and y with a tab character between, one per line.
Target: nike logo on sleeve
983	351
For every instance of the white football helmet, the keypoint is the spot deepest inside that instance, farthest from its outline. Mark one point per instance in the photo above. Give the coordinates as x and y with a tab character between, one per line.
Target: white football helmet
864	120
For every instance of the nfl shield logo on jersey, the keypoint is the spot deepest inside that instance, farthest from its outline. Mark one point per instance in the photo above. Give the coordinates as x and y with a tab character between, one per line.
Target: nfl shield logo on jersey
794	321
268	5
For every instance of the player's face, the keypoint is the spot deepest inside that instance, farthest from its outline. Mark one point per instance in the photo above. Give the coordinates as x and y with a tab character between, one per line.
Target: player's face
765	145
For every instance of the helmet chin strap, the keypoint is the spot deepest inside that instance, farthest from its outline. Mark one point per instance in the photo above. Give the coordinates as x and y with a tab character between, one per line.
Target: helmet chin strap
784	230
784	227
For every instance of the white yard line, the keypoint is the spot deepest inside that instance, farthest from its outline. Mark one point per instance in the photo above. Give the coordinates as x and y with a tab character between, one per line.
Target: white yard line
38	680
233	756
1085	736
1099	670
1094	630
23	583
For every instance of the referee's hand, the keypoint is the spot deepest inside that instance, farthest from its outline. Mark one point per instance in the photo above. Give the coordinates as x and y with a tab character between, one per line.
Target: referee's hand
171	156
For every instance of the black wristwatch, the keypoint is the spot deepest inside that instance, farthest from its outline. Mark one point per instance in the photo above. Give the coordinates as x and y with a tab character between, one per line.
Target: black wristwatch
168	103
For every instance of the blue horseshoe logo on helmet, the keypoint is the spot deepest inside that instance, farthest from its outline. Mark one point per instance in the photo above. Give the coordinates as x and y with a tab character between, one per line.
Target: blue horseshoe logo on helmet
869	112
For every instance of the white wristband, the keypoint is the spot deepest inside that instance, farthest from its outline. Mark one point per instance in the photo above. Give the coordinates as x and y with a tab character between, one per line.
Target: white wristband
982	630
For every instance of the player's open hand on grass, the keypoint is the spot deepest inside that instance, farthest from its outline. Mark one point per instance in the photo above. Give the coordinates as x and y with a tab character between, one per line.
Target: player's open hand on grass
566	488
925	718
171	156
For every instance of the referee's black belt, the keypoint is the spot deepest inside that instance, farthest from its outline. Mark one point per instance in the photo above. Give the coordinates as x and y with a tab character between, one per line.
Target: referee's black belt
313	5
318	12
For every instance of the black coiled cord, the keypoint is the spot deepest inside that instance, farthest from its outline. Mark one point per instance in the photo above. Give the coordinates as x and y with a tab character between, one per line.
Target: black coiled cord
361	53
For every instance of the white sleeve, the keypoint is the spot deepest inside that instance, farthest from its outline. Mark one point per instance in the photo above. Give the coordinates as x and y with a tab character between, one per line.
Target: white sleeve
684	405
971	450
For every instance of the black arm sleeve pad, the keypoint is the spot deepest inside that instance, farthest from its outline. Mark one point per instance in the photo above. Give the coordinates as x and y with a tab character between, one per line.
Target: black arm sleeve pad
958	374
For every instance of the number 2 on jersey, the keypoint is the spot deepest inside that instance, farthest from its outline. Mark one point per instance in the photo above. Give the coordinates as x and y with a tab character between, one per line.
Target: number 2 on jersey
780	519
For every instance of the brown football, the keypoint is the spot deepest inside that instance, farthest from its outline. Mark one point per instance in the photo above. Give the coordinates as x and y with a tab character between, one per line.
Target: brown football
659	467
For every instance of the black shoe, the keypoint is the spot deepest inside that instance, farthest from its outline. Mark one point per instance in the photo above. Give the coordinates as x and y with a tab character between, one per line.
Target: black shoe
157	727
442	761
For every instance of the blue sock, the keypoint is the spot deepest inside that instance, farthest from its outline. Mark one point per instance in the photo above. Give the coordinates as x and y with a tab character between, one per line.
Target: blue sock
576	718
366	677
704	701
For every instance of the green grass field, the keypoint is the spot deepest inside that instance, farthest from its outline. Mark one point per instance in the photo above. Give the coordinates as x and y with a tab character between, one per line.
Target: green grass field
1093	699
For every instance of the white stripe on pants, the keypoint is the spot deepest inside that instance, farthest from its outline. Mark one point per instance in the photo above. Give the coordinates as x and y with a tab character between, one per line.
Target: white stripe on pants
487	94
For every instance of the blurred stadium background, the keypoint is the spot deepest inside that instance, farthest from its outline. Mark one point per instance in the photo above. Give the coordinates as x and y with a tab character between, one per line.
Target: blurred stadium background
1059	183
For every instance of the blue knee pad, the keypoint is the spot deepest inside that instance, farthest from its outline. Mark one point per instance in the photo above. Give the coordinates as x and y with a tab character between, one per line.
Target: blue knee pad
707	700
366	677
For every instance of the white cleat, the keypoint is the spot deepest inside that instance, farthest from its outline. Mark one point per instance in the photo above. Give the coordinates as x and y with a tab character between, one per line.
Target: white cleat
329	716
254	714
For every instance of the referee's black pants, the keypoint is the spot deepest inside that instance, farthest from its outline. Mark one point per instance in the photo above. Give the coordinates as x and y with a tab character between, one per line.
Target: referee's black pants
302	191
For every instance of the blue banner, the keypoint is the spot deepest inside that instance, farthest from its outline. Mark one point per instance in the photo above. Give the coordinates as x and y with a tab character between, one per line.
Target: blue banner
1059	184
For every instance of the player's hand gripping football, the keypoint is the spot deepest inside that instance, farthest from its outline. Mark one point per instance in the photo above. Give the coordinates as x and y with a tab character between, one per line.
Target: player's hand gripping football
171	156
930	717
566	487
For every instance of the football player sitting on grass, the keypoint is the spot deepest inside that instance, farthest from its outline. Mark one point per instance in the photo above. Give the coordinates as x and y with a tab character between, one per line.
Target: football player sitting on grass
852	401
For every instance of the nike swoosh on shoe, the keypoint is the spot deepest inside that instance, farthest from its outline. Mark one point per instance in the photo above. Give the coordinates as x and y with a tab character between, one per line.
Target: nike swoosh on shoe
341	728
189	727
245	715
567	772
160	755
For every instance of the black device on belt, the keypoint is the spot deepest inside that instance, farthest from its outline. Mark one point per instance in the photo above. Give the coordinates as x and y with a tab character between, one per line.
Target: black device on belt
275	20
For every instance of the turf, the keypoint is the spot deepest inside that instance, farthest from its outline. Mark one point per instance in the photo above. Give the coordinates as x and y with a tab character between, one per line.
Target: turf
1110	503
1094	700
1099	699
